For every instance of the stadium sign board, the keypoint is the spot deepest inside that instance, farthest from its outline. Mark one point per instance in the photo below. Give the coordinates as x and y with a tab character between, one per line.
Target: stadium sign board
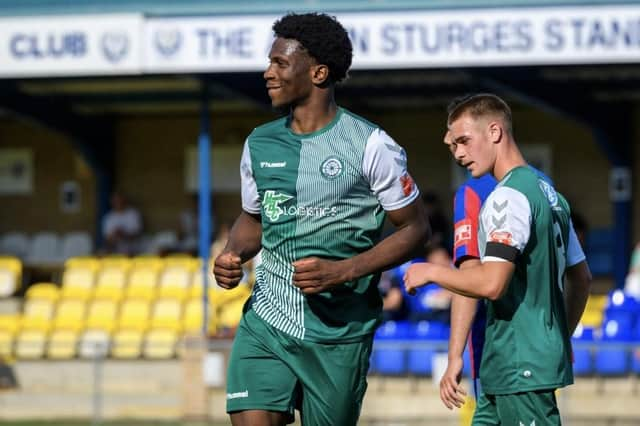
131	44
70	45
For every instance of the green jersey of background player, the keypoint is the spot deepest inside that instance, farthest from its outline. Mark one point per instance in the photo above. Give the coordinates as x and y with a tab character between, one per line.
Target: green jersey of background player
523	230
316	186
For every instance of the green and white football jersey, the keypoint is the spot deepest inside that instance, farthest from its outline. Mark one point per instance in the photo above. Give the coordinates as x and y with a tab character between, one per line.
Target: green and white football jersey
321	194
527	347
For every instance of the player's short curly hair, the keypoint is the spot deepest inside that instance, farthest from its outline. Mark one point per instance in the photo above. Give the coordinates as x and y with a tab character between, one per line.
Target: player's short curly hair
324	38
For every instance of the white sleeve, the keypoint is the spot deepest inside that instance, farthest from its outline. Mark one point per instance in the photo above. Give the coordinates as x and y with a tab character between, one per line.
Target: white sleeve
575	254
250	197
506	219
385	166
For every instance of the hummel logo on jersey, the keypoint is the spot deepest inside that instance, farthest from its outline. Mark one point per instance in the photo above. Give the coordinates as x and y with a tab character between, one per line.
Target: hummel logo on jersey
234	395
271	203
268	165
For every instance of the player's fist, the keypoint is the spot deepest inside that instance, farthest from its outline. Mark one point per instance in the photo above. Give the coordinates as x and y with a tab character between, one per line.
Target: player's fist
228	270
416	276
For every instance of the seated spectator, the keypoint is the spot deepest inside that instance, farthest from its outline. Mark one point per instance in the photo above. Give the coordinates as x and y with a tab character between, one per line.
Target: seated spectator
121	227
394	303
432	302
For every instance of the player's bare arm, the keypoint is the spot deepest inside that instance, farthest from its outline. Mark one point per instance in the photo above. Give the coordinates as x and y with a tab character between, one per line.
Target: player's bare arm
463	310
243	244
576	293
314	275
488	280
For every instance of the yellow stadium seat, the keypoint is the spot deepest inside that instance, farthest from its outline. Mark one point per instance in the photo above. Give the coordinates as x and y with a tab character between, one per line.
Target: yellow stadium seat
596	302
78	281
592	318
10	275
160	344
166	314
89	262
102	315
6	344
30	344
187	262
134	315
112	276
192	318
230	314
177	276
48	291
37	314
142	283
94	343
115	261
70	315
153	262
10	323
127	344
62	344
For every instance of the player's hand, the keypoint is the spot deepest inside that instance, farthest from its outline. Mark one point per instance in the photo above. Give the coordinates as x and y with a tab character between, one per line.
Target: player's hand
314	275
452	393
416	276
228	270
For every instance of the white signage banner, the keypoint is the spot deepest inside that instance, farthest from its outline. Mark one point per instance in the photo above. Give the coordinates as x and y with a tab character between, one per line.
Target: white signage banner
70	45
482	37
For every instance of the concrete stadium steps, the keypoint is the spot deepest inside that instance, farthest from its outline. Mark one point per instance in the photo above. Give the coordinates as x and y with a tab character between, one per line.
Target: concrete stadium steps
158	390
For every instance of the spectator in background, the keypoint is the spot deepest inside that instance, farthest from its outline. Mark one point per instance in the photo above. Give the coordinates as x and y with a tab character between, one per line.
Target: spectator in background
394	302
431	302
121	226
440	226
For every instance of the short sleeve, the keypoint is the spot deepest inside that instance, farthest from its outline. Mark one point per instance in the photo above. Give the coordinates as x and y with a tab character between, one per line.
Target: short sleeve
506	219
575	254
250	197
385	167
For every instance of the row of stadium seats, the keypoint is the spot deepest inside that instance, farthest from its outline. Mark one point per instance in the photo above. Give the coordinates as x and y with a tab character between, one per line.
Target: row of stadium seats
129	328
607	342
46	247
122	307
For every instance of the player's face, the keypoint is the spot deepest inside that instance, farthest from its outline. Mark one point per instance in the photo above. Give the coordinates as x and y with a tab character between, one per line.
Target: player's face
289	73
470	144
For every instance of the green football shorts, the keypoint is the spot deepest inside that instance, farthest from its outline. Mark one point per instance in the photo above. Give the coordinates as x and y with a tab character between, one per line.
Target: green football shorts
534	408
270	370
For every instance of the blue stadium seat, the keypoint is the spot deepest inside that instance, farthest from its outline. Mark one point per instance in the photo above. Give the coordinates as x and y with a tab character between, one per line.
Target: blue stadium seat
389	355
582	354
612	357
622	308
424	336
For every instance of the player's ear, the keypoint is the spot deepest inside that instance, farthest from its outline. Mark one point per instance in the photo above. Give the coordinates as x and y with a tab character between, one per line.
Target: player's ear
495	131
319	74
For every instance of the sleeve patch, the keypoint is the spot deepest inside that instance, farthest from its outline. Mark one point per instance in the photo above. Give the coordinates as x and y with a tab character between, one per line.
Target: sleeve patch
408	184
462	233
501	237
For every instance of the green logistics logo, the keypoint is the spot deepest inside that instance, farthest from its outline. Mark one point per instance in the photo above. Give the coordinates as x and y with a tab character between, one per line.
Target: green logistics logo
331	168
271	203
